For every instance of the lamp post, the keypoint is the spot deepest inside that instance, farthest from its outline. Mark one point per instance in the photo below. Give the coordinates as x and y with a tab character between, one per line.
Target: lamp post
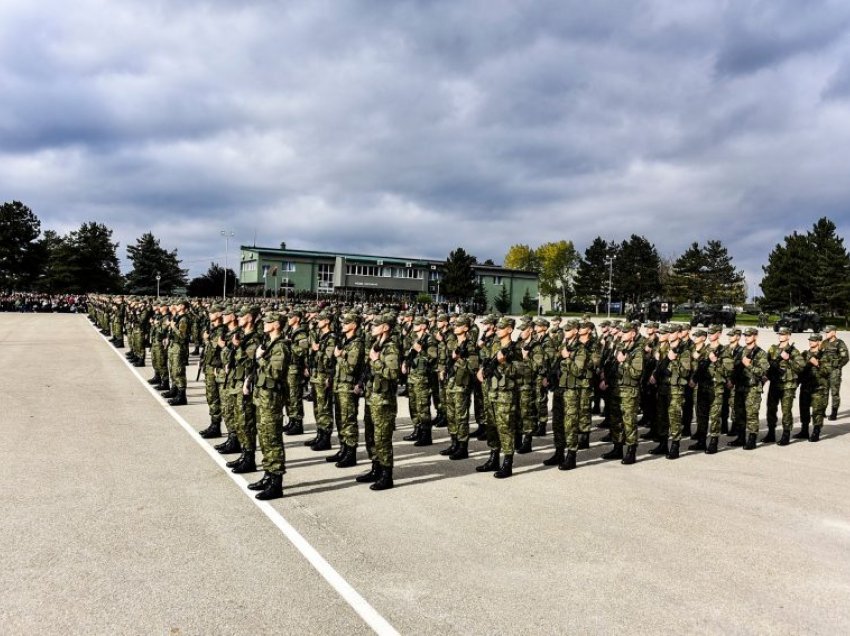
158	278
610	281
227	236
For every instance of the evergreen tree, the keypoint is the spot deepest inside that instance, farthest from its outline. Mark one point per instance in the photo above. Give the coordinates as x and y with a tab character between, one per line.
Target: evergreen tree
19	253
150	259
479	299
723	283
211	284
94	260
528	303
789	274
637	270
502	303
592	275
458	276
686	282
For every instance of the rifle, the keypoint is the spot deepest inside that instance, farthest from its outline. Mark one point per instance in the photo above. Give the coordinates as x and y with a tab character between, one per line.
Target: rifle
462	351
490	367
201	365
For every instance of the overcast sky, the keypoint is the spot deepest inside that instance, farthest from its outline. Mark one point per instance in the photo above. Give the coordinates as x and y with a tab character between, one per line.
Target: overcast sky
410	128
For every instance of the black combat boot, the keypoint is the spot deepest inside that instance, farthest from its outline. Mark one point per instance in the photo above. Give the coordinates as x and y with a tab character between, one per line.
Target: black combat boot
785	439
230	445
196	351
247	465
163	385
699	445
179	399
661	449
385	480
804	432
155	379
371	476
712	446
631	452
349	457
614	453
452	448
424	438
461	452
440	421
507	468
170	393
310	442
583	441
607	439
724	427
833	415
331	459
414	435
296	427
237	461
751	442
517	438
212	431
323	442
556	459
491	464
479	433
260	484
569	462
540	431
273	489
673	453
525	446
739	439
286	426
138	362
815	437
770	438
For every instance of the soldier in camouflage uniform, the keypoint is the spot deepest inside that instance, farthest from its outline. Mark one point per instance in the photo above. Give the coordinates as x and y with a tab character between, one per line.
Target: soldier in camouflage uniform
211	363
272	360
383	360
558	382
159	360
785	363
578	361
839	357
721	363
500	376
485	344
461	365
118	314
689	390
814	387
672	373
224	376
298	339
625	395
701	385
442	335
527	384
240	386
178	353
419	363
728	411
544	354
752	373
322	360
587	393
347	369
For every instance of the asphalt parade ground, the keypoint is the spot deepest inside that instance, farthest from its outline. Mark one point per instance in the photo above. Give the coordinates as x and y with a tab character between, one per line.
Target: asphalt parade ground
117	518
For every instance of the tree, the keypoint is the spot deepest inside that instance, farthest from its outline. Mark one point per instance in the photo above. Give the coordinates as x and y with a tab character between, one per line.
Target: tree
19	262
637	270
94	260
789	273
558	262
149	259
479	299
211	284
58	272
592	274
522	257
528	303
831	292
724	284
458	276
502	303
686	280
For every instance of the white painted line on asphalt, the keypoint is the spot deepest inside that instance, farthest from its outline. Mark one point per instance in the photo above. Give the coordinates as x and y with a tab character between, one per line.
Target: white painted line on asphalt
359	604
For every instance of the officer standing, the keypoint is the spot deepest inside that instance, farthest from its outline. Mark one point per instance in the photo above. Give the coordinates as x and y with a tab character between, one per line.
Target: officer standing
814	389
348	366
752	371
298	339
837	351
461	366
212	363
785	363
419	363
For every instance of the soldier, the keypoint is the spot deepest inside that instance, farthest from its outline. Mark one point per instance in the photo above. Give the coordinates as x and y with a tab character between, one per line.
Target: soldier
688	394
558	382
839	357
500	376
178	353
527	380
298	339
626	395
224	376
748	389
728	409
703	387
384	365
587	393
272	360
118	315
785	363
347	371
578	362
672	373
484	344
544	354
442	334
718	371
814	388
211	363
159	359
461	365
419	362
245	342
322	359
648	395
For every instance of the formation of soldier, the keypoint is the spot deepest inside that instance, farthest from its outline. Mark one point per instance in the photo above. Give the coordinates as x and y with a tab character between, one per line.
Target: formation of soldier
260	363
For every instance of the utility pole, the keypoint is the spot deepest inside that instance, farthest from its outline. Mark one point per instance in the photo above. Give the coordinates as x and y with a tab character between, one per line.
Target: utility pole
227	236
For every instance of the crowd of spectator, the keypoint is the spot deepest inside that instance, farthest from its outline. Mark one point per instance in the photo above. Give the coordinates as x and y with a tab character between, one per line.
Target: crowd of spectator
42	303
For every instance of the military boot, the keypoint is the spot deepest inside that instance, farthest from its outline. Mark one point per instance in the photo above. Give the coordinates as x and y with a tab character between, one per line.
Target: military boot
331	459
724	427
699	445
751	441
833	415
155	379
310	442
607	439
385	480
556	459
770	438
230	445
540	431
815	437
139	362
260	484
569	462
424	438
712	446
583	441
179	399
631	452
614	453
237	461
440	421
286	426
414	435
348	458
507	468
170	393
163	385
452	447
686	430
371	476
273	489
785	439
804	432
247	465
212	431
479	433
491	464
739	439
461	452
323	442
673	453
525	446
661	449
296	427
196	351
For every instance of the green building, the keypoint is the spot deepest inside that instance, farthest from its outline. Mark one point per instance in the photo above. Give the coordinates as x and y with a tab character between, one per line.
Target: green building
278	272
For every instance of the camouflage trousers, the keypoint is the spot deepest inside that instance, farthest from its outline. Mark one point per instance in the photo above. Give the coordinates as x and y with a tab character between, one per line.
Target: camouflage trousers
244	419
705	397
584	415
835	388
213	393
504	412
489	419
294	395
118	330
781	394
419	399
688	406
383	410
541	401
269	413
438	394
574	402
137	344
670	399
228	407
715	411
323	404
813	402
177	360
346	403
625	403
527	405
558	418
159	361
614	412
457	410
747	404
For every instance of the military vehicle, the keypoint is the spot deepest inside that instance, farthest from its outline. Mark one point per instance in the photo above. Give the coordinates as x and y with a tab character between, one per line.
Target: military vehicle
712	315
799	319
656	310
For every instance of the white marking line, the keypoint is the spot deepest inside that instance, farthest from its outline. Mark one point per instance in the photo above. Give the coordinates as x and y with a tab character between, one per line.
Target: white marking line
359	604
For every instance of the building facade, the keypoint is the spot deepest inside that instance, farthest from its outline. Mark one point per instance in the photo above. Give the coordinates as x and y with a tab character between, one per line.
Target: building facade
279	272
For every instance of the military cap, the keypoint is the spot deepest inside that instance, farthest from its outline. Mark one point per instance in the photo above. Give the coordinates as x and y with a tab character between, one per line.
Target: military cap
505	322
734	331
324	315
420	320
216	308
783	331
184	302
585	324
685	326
571	324
489	320
630	326
556	319
463	321
443	318
272	316
829	328
699	333
253	310
525	322
383	319
663	329
816	336
751	331
296	312
652	325
603	324
714	329
540	322
348	318
228	309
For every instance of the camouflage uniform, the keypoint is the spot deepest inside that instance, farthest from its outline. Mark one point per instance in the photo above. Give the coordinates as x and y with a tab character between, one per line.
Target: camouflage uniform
784	377
674	375
627	393
178	351
299	347
212	368
718	373
748	388
382	401
321	378
244	413
347	373
814	387
839	356
420	368
462	364
269	395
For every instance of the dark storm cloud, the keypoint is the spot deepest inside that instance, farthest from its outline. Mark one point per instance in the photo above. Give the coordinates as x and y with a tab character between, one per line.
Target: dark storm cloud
410	128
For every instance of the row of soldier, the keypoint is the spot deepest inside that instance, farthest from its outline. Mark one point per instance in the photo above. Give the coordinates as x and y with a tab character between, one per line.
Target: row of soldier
259	364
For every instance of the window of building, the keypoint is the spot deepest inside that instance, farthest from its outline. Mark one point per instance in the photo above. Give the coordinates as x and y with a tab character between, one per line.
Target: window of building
326	277
436	275
497	280
249	266
287	266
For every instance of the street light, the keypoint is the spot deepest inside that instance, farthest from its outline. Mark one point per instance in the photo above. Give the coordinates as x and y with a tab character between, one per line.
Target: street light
227	236
610	260
158	278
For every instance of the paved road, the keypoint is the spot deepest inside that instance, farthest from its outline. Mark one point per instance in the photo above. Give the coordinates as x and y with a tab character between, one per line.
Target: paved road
118	522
